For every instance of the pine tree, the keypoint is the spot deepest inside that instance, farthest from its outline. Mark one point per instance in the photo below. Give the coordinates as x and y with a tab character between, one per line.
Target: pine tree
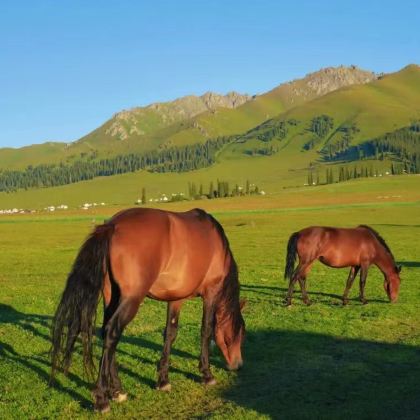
211	190
193	191
310	179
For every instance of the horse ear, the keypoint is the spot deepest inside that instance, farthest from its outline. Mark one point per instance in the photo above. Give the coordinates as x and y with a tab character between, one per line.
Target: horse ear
242	303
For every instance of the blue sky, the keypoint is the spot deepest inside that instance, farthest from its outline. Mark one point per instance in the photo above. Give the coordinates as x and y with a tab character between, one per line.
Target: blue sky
67	66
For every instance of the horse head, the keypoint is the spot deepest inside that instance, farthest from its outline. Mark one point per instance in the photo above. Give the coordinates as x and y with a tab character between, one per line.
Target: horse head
230	333
392	284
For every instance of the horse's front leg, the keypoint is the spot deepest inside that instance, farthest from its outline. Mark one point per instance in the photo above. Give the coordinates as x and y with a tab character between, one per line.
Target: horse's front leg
171	329
207	327
108	383
352	275
363	276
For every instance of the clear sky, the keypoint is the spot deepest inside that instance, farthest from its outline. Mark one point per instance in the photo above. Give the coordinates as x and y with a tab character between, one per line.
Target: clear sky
67	66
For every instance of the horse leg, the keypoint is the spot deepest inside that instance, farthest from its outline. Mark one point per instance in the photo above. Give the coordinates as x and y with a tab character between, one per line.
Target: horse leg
300	271
111	294
171	330
207	327
108	378
352	275
302	282
363	276
292	282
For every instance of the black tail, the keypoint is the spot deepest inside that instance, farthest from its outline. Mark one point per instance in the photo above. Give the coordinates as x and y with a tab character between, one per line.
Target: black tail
76	312
291	255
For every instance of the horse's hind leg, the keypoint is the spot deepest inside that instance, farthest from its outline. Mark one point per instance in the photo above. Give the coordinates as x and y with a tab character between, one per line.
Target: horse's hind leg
302	282
112	295
108	381
352	275
169	336
299	275
291	289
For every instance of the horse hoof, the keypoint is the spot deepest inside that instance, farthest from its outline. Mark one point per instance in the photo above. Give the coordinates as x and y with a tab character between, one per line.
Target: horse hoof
345	302
308	303
103	408
120	397
210	382
164	387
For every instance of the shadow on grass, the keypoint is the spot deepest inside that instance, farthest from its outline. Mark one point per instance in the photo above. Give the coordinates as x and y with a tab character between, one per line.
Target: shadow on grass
290	374
410	264
28	322
280	292
395	225
40	366
40	363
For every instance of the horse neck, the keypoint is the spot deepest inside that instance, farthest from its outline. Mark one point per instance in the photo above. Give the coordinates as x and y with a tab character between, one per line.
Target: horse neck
228	310
385	261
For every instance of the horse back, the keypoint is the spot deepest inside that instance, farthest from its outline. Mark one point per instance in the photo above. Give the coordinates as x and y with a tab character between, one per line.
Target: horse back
167	255
337	247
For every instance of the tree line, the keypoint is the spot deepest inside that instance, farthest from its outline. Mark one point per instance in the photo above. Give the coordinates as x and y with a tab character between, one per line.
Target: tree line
346	173
319	126
172	159
218	189
221	189
402	144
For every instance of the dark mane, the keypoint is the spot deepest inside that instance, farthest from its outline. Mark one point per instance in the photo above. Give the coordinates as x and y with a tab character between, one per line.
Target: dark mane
228	295
379	238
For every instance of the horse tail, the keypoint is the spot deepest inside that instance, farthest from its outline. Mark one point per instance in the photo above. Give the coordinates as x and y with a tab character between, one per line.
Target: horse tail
291	255
76	312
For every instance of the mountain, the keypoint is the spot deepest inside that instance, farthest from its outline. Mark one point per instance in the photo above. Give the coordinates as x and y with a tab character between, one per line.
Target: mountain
359	112
368	129
142	121
186	120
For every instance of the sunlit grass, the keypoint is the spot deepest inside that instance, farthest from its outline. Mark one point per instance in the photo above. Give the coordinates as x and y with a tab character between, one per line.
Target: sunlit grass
322	361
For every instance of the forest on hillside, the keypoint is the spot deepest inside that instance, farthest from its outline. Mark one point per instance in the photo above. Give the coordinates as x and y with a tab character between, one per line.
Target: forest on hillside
173	159
402	146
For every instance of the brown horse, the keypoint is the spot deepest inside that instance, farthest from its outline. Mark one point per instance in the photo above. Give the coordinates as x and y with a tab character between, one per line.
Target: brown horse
163	255
357	248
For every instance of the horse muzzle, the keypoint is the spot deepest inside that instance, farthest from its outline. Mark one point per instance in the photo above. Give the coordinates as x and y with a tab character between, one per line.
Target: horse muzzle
235	365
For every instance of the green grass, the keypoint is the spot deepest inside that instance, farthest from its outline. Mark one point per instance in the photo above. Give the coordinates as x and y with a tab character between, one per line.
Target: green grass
322	361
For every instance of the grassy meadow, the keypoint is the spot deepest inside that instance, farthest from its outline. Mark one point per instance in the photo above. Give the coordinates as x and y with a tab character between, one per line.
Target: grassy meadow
322	361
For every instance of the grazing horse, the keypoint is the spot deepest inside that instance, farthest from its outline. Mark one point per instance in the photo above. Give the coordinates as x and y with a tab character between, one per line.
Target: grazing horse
166	256
357	248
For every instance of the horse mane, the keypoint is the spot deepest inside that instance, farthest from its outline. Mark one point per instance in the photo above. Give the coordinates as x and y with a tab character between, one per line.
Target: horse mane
228	296
379	238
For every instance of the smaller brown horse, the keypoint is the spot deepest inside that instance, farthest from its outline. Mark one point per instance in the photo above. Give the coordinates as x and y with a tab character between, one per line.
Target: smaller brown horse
357	248
153	253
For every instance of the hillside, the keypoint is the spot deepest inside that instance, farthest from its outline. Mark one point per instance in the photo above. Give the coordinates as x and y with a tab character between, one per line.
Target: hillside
363	130
349	116
185	120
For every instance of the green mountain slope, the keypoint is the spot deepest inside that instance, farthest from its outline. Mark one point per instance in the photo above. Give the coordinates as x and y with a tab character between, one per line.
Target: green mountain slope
281	151
270	104
187	120
356	114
